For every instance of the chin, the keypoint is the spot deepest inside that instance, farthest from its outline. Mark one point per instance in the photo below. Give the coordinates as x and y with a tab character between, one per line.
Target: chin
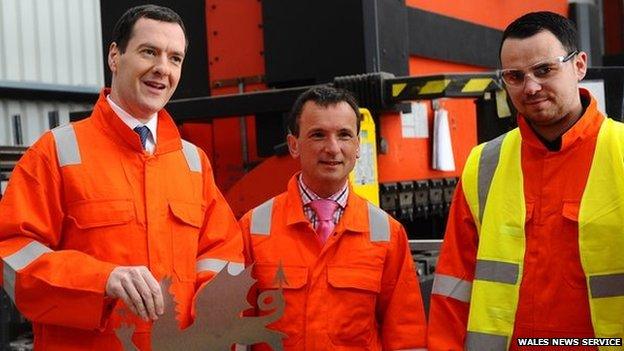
152	107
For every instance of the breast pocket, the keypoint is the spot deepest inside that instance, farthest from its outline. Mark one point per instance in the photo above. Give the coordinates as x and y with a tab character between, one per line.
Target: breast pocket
294	290
103	228
572	269
89	214
186	221
352	296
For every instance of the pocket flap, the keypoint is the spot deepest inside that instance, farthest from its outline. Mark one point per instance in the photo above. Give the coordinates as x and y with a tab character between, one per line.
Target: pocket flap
100	213
355	277
570	211
189	213
295	277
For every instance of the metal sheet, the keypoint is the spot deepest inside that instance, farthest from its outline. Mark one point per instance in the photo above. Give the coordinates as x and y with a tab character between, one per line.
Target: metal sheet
47	41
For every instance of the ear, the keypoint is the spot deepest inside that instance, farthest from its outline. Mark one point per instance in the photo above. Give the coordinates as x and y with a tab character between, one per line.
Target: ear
293	145
113	57
580	65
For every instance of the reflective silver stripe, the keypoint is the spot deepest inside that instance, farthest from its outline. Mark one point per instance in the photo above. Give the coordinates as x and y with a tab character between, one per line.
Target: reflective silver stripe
609	285
378	224
18	260
216	265
449	286
261	218
67	150
476	341
487	165
192	156
498	272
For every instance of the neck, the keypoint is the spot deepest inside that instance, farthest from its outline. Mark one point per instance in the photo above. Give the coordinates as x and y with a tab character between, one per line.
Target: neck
554	131
115	98
322	188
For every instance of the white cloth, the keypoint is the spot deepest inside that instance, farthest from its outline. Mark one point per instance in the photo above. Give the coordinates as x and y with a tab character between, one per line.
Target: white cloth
131	122
443	159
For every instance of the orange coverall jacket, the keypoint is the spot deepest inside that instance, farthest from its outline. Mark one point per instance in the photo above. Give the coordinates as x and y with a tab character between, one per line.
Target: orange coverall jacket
109	204
553	299
352	294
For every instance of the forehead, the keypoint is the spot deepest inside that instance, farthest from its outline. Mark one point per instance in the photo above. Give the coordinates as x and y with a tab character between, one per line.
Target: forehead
153	32
518	53
333	116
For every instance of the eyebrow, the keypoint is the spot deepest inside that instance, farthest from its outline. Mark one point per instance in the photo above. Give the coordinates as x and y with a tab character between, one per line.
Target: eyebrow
315	130
541	62
154	47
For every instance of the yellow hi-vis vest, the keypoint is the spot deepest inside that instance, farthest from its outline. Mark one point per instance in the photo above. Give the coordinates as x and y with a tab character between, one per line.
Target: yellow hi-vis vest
493	185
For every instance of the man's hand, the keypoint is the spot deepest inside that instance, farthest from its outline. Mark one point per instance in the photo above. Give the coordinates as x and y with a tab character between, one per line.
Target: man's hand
138	289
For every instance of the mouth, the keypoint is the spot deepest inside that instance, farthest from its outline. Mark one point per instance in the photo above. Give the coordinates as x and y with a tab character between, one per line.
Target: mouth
154	85
331	163
535	101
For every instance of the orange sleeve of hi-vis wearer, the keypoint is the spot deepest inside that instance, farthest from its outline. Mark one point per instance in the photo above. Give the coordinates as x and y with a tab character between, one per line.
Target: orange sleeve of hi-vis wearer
220	239
252	295
450	298
248	253
59	287
400	307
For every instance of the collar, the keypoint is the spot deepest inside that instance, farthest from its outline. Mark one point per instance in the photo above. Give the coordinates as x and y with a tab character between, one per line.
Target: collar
587	126
354	216
103	118
132	122
307	195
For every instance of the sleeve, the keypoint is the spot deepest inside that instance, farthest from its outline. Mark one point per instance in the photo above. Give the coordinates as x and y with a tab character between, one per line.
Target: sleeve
252	296
247	244
59	287
220	239
400	307
450	298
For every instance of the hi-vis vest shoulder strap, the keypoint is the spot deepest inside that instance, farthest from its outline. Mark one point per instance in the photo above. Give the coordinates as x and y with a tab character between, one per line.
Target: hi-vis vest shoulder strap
493	186
378	221
68	151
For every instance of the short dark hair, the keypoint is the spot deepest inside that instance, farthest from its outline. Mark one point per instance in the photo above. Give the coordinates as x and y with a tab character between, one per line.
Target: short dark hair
323	96
532	23
125	25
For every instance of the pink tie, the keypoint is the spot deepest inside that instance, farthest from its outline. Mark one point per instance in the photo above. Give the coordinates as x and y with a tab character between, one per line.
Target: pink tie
324	217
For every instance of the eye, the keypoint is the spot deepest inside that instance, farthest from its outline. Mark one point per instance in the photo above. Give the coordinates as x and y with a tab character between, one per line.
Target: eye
542	70
513	76
345	136
176	59
317	135
149	52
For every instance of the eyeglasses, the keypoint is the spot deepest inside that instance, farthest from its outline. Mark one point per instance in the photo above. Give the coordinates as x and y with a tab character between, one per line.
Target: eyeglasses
539	72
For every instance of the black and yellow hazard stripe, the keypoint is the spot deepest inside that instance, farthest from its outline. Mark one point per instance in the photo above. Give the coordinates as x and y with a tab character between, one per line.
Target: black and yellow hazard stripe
433	87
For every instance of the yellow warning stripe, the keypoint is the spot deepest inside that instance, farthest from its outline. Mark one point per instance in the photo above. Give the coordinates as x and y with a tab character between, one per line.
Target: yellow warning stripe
476	85
398	88
434	86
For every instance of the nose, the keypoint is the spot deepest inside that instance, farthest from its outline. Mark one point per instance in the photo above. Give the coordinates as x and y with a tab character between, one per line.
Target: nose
531	86
161	65
332	145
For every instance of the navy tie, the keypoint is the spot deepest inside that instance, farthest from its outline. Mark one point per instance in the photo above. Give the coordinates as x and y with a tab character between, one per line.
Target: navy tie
143	133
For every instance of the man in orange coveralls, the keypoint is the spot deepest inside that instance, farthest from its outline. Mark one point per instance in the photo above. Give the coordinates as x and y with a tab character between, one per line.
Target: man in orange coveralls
349	276
533	247
96	213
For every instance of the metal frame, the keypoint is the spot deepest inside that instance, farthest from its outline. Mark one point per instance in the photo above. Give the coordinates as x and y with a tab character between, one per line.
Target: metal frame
15	90
375	91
